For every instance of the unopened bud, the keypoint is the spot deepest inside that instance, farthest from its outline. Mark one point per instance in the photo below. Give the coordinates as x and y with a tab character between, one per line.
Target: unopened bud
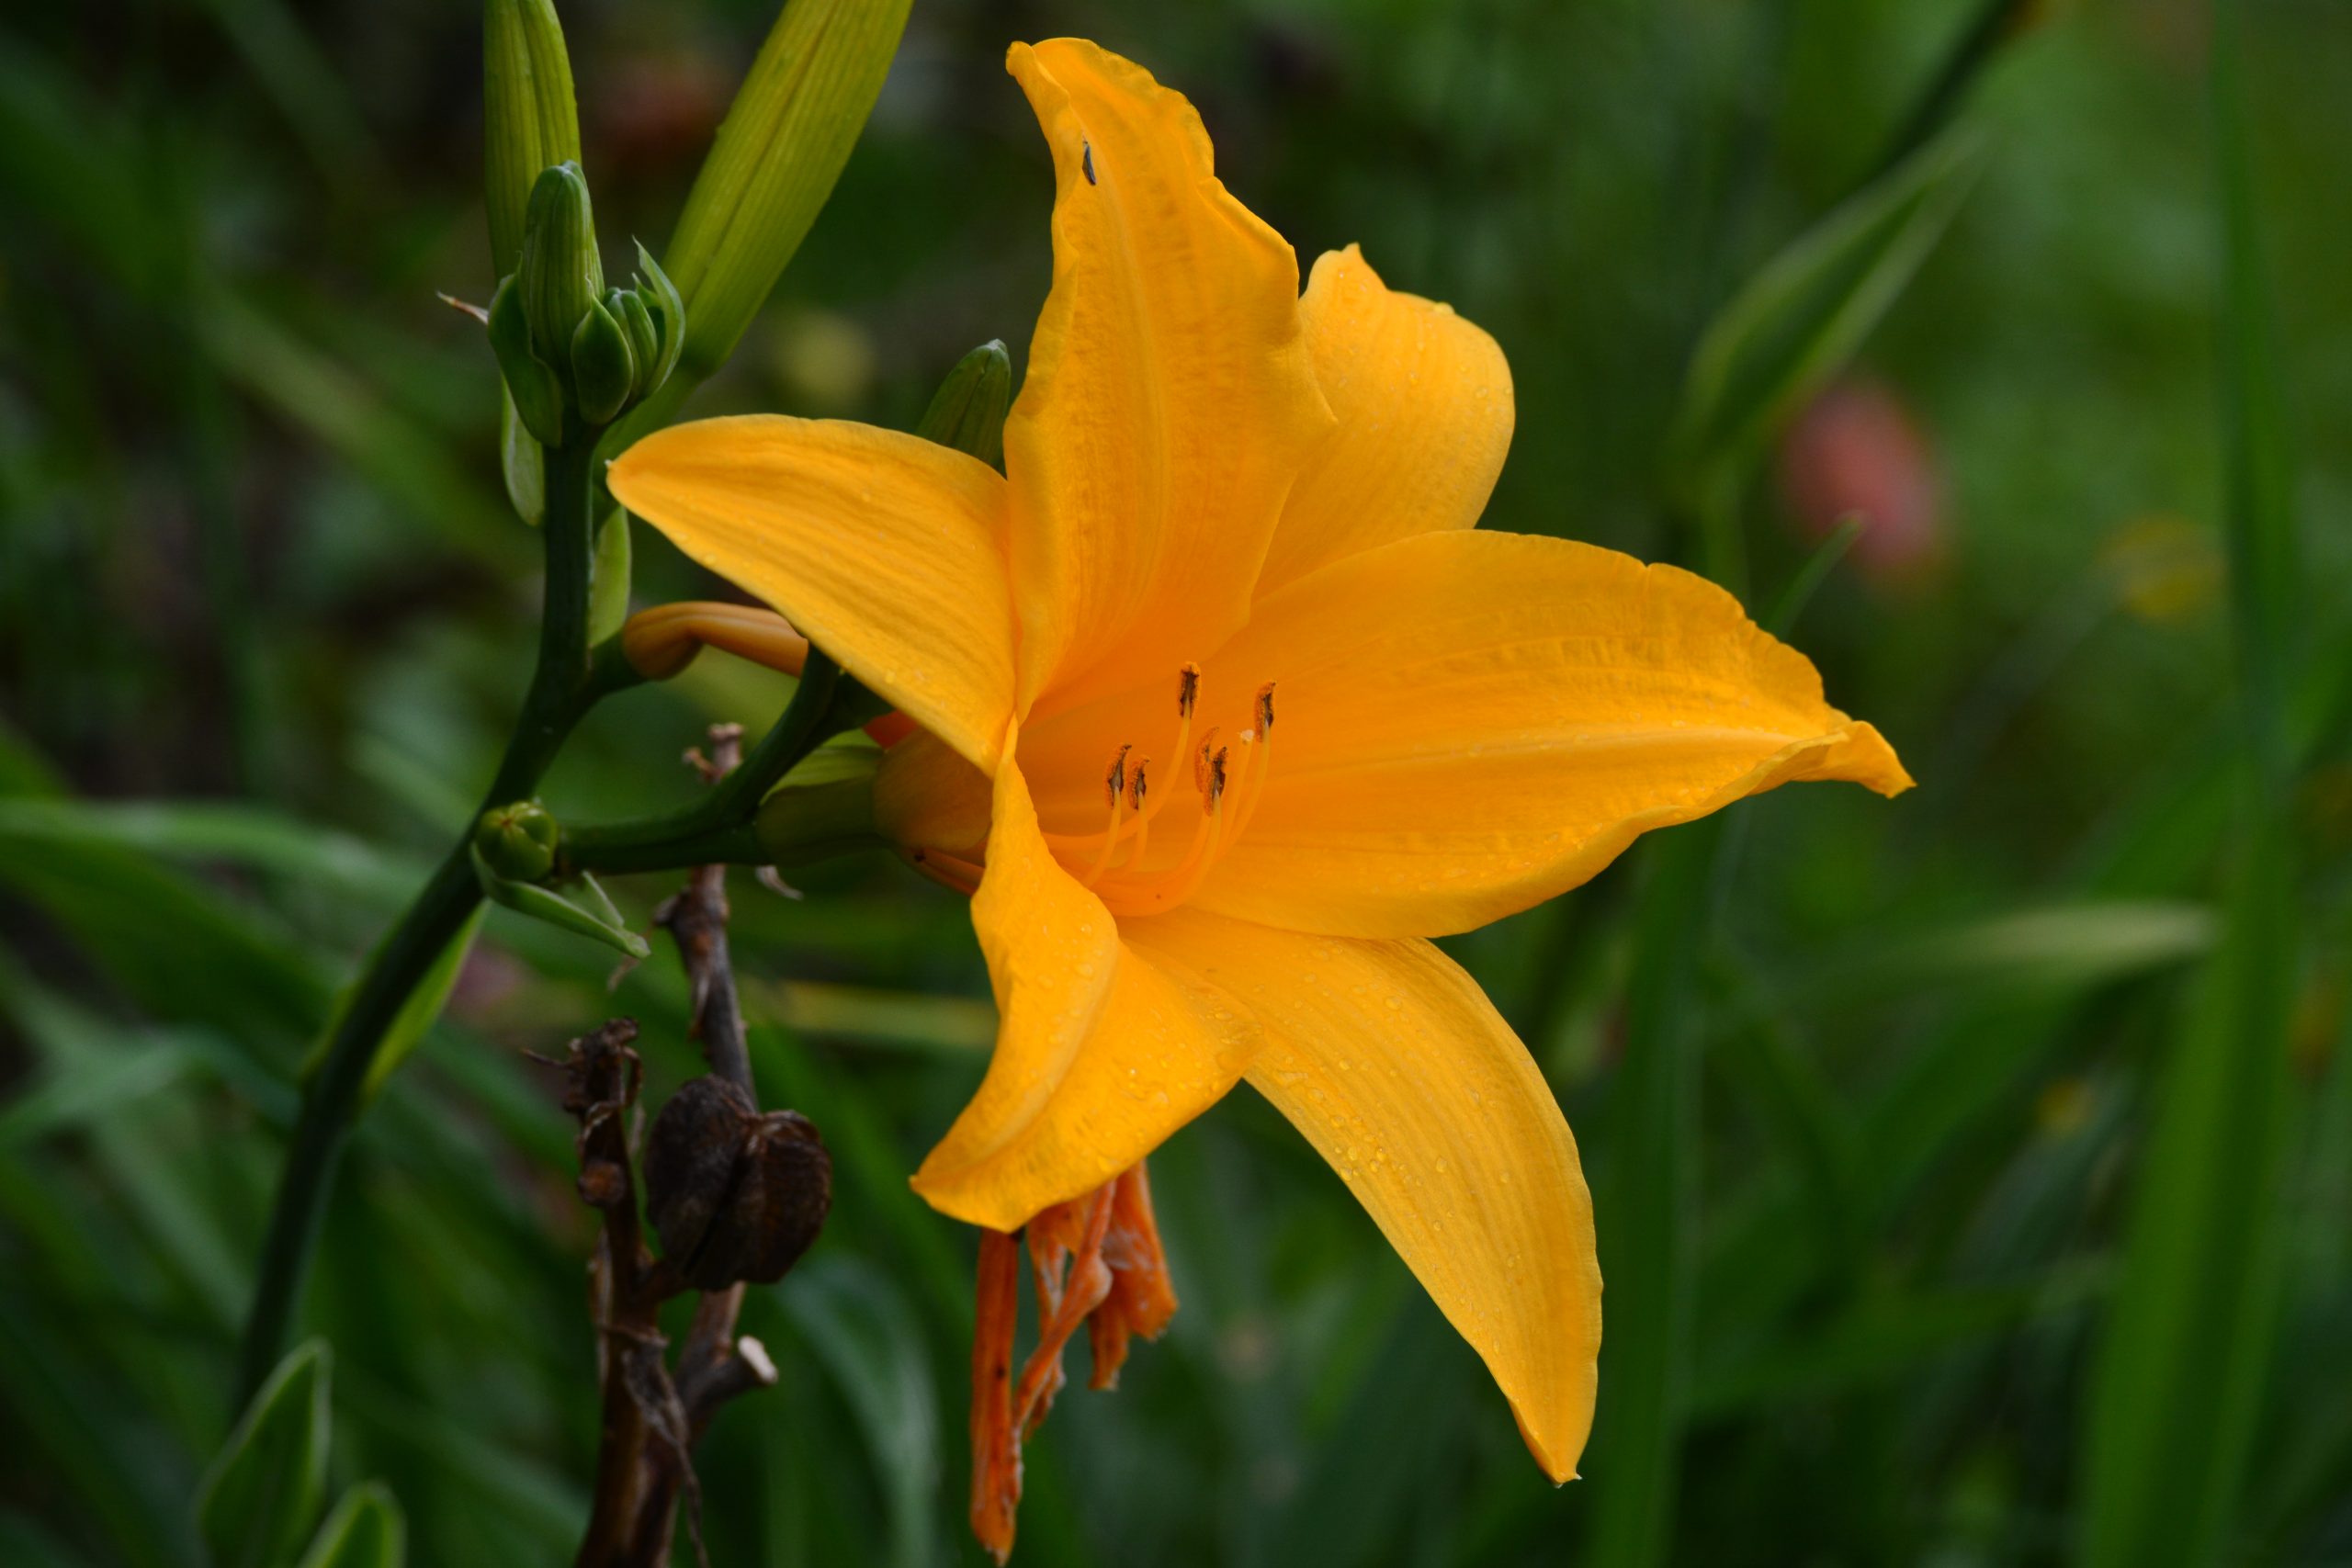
518	840
528	118
733	1195
558	272
628	308
968	412
604	367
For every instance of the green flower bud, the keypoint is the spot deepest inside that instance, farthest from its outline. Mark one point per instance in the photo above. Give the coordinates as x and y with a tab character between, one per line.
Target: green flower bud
968	412
779	150
528	118
559	274
604	369
644	337
538	395
517	840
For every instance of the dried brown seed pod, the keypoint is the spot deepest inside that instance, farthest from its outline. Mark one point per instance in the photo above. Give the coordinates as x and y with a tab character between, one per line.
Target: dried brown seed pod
733	1195
690	1159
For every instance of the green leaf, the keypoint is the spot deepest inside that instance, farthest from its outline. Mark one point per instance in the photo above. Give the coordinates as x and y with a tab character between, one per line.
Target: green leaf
1804	315
322	397
781	148
366	1530
261	1497
67	1096
869	1343
423	1009
181	949
1646	1209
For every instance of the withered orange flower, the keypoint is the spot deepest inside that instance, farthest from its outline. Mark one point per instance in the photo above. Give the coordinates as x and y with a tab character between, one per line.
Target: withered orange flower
1224	710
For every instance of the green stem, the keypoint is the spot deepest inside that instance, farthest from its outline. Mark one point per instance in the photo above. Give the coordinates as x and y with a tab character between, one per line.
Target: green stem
561	688
718	828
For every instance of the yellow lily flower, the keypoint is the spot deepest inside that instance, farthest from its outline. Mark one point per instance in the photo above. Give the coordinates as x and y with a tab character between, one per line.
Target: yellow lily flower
1230	514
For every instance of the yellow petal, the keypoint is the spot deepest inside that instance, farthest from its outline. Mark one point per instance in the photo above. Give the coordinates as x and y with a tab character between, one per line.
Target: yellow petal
884	549
1101	1051
1469	723
1398	1070
1423	398
1169	402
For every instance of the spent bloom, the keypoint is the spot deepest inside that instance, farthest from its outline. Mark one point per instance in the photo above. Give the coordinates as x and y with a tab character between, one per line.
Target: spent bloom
1220	708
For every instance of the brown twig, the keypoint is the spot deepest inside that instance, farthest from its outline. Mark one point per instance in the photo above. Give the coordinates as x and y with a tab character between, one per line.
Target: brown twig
625	1285
652	1416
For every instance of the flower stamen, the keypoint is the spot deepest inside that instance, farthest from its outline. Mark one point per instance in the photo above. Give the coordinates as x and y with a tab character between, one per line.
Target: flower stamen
1114	788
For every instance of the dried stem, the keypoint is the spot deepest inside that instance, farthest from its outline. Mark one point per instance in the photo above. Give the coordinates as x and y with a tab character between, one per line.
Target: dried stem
652	1417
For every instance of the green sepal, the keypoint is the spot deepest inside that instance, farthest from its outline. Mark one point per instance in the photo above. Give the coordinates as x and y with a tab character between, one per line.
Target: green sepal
536	394
669	310
559	274
608	583
521	461
366	1530
601	922
604	366
261	1497
519	839
968	412
824	807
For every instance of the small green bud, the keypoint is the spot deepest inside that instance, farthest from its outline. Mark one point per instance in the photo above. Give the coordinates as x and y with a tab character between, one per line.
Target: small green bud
517	840
604	369
538	395
644	337
528	120
968	412
559	274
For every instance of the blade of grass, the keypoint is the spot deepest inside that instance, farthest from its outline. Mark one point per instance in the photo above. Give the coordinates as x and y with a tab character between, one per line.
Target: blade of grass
2185	1363
866	1339
1645	1212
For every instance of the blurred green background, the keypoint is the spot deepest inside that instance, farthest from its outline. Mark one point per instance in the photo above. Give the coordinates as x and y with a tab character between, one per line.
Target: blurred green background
1944	1273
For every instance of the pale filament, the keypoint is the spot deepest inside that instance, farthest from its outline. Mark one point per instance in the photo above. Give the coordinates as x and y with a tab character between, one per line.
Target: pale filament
1188	689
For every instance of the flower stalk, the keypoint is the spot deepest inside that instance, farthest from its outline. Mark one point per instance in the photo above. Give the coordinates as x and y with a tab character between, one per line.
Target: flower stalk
560	690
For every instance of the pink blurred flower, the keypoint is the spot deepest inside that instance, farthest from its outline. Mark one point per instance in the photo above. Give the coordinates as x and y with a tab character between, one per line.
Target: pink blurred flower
1856	451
